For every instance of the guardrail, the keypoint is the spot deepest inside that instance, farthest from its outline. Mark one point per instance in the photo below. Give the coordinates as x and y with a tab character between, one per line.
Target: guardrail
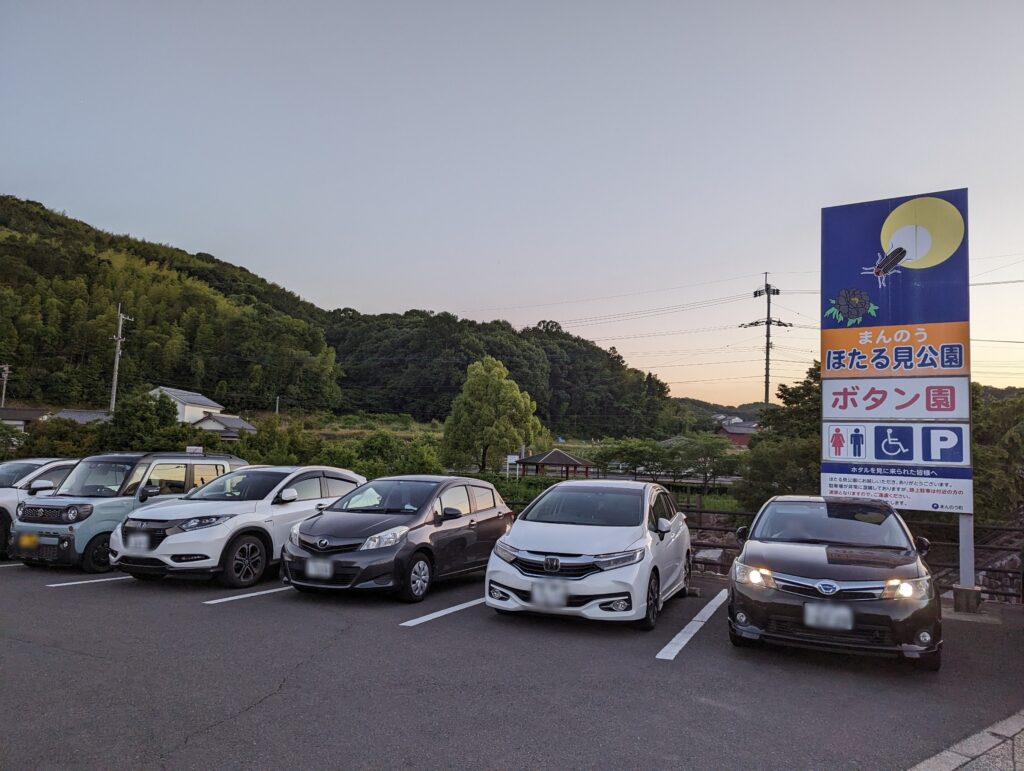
997	540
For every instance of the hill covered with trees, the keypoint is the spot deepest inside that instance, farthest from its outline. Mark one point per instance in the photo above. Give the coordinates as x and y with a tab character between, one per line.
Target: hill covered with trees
205	324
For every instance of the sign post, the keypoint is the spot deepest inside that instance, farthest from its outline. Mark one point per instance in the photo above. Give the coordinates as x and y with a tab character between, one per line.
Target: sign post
895	360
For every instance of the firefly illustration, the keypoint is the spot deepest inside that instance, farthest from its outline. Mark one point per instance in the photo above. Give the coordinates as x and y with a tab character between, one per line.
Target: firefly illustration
886	265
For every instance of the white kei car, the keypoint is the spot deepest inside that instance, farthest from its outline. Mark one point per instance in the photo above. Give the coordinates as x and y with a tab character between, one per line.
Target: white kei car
233	527
601	549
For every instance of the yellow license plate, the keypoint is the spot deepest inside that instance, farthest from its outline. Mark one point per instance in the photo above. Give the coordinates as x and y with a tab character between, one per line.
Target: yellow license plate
28	541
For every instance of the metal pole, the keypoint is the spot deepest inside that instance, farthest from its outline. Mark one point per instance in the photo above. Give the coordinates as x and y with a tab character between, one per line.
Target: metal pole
967	551
767	340
5	370
118	339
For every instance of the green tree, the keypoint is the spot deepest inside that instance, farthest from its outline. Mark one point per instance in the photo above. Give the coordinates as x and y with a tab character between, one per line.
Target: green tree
60	438
997	450
490	413
142	422
800	413
706	456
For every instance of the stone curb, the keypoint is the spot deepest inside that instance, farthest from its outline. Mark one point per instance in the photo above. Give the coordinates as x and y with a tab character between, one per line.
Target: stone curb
998	748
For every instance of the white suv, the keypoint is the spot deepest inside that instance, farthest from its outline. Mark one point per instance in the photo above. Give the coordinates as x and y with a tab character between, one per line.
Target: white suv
233	527
608	550
20	479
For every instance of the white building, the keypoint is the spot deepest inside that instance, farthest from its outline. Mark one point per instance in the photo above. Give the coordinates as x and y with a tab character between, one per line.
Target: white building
191	406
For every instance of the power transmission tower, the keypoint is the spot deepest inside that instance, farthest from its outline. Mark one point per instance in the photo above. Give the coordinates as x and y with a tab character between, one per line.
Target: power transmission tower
768	322
118	339
5	373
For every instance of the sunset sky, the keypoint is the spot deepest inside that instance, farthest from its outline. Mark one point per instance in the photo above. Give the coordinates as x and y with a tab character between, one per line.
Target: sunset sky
628	169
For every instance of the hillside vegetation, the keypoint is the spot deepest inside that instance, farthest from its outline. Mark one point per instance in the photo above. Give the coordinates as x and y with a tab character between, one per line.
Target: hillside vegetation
204	324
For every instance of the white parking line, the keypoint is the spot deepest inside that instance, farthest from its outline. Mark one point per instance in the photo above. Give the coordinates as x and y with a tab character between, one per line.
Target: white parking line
91	581
250	594
12	565
676	644
445	612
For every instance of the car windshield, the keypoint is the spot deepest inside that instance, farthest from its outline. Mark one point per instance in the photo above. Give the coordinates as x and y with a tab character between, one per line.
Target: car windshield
252	485
13	472
96	478
387	496
837	524
600	506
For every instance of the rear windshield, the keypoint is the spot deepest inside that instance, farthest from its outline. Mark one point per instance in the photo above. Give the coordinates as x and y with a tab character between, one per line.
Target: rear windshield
11	473
840	524
600	506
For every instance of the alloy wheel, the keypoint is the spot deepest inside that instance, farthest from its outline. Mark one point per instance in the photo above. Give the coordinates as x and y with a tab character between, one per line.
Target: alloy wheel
653	597
248	562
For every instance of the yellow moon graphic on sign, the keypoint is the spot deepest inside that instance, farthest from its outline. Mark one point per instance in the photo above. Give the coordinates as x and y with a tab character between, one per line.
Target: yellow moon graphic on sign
930	229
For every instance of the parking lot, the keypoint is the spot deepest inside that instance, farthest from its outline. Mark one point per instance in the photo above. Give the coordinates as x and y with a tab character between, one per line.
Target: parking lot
107	672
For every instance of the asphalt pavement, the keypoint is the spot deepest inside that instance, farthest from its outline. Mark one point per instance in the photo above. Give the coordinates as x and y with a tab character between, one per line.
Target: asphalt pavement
121	674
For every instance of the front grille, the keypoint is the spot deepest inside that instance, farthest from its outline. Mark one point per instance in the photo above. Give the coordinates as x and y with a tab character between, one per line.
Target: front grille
42	514
842	594
533	567
311	542
861	634
141	562
47	552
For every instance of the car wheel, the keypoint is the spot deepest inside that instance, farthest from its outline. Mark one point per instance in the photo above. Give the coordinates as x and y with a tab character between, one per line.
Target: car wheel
243	563
929	662
650	619
418	578
5	533
740	641
145	576
96	557
687	576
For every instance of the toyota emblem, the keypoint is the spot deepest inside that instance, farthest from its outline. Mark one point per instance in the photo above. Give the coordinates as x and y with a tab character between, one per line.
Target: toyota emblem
323	543
828	588
552	564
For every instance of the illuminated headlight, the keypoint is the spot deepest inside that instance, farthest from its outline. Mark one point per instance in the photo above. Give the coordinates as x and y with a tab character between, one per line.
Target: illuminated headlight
912	589
504	551
391	537
745	574
619	559
76	513
293	534
198	523
20	510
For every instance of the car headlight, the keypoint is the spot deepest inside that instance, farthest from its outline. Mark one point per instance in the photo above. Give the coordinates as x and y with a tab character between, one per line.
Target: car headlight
198	523
912	589
391	537
76	513
20	510
503	551
745	574
293	534
619	559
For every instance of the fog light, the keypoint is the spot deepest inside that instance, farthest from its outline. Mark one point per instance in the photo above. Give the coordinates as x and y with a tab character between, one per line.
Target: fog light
620	605
63	544
741	617
924	637
496	593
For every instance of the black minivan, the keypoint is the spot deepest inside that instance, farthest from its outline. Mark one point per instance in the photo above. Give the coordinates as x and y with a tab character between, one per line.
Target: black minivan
397	533
835	573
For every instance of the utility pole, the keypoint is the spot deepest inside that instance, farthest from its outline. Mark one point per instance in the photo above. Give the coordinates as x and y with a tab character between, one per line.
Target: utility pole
5	373
277	406
118	339
767	291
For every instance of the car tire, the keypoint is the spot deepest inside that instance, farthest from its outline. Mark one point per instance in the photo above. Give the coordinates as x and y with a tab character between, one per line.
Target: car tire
419	577
5	533
243	563
650	619
96	557
688	567
929	662
145	576
740	641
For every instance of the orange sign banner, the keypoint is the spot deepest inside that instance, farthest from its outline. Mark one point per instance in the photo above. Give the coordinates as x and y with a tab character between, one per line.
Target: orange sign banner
897	351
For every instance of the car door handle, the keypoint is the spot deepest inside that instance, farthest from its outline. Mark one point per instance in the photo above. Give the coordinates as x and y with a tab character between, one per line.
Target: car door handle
472	523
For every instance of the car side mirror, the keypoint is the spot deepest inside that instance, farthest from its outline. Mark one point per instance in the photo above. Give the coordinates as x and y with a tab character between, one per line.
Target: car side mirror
742	533
450	513
288	495
39	486
664	526
147	492
322	506
922	545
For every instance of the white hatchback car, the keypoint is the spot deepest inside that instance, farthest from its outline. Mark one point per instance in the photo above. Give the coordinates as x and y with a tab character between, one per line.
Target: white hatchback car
600	549
233	527
20	479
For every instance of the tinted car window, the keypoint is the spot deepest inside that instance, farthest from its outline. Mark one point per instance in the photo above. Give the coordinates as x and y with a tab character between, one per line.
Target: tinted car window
337	487
307	488
169	477
252	485
601	506
387	496
456	498
10	473
483	498
846	523
54	475
666	507
206	472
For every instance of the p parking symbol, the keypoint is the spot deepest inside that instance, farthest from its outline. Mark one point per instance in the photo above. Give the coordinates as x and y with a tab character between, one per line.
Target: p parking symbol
943	444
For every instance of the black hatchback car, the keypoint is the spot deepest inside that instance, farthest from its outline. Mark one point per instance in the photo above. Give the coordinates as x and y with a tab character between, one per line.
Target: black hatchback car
836	573
397	533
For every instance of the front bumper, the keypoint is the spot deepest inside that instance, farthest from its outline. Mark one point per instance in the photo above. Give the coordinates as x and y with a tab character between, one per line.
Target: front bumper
506	588
881	627
56	545
194	553
371	569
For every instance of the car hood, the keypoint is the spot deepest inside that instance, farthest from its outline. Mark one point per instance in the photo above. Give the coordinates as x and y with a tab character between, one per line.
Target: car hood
549	538
840	563
181	509
353	524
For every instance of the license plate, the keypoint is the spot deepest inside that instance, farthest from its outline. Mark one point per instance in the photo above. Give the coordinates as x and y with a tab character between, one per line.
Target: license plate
28	541
825	615
319	569
137	541
550	594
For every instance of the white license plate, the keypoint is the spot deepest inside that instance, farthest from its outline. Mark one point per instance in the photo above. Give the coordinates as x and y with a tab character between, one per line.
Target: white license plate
826	615
137	541
319	569
550	594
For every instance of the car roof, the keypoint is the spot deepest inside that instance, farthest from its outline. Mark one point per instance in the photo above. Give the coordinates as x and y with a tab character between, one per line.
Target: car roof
137	456
826	499
294	469
625	484
37	461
